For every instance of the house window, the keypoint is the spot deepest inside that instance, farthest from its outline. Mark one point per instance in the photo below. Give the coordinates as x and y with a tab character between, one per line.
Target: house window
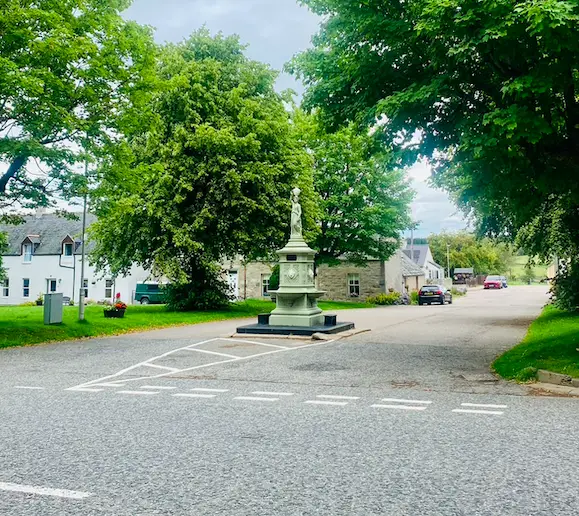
27	252
67	250
51	286
85	288
109	288
25	287
265	285
6	287
354	285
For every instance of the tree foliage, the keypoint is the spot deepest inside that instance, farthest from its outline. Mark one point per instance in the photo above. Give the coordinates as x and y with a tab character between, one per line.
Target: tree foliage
465	249
210	175
364	198
492	86
68	70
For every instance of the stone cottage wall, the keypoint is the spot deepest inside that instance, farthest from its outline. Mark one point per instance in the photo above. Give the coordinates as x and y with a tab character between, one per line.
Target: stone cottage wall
334	280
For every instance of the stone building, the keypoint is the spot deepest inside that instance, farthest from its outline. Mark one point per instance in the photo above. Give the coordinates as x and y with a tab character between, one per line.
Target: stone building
341	282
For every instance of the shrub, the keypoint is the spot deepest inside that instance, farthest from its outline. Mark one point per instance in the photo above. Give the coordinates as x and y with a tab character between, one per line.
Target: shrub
565	286
274	278
414	297
527	374
393	298
28	303
457	292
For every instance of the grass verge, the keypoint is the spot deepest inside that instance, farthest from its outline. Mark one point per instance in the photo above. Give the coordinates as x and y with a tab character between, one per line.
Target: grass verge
551	343
23	325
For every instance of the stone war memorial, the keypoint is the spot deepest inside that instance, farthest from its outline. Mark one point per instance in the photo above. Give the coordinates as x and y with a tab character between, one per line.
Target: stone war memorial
297	311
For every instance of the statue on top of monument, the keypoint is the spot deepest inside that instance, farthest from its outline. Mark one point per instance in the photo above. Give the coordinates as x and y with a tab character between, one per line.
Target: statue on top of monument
296	220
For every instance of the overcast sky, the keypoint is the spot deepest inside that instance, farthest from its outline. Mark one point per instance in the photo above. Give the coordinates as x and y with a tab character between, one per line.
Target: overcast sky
275	30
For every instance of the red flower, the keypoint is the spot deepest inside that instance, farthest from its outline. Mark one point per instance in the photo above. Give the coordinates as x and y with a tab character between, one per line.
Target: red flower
118	296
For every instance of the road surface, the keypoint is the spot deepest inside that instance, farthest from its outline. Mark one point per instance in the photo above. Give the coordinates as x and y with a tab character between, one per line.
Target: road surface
405	420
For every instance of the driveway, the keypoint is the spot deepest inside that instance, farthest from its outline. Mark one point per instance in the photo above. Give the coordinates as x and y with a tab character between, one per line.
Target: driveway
405	419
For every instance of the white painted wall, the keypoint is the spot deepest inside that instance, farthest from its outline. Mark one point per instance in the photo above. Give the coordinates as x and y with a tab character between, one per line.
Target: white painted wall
43	268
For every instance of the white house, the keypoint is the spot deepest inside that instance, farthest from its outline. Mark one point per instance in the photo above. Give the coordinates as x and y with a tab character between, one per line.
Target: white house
44	256
422	256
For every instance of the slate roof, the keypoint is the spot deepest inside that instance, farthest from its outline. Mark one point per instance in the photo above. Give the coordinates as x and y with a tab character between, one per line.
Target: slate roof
420	253
409	268
49	231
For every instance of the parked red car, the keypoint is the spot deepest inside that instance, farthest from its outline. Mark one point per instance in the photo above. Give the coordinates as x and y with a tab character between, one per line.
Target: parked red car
493	282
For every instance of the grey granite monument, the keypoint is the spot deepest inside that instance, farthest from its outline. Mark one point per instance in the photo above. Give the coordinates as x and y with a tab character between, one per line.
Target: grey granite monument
297	311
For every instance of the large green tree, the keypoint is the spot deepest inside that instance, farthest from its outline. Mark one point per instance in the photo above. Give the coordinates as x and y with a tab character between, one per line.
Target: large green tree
68	70
465	249
364	198
492	88
208	177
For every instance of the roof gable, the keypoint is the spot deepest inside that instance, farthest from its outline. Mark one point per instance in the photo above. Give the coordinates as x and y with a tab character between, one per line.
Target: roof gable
48	232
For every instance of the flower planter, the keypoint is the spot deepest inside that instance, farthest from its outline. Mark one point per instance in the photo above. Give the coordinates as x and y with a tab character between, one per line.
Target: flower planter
114	314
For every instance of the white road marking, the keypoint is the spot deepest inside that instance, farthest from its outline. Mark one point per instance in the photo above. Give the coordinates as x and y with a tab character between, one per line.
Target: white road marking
172	369
332	397
84	389
203	389
159	387
398	407
260	343
213	353
320	402
202	366
467	411
481	405
44	491
266	393
192	395
396	400
254	398
138	393
29	388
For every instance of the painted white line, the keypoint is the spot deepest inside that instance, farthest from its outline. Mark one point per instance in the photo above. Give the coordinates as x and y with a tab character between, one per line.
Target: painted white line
259	343
172	369
138	393
320	402
480	405
266	393
44	491
254	398
332	397
29	388
158	387
398	407
84	389
212	353
467	411
397	400
192	395
221	362
202	389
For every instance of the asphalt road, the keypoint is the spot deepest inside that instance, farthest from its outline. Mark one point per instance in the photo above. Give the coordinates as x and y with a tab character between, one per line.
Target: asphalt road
404	420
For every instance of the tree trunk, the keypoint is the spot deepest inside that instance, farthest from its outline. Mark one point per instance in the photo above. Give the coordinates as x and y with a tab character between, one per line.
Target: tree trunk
13	169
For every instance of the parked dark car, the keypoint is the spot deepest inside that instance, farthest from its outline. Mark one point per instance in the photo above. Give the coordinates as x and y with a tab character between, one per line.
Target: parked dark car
434	294
494	282
149	294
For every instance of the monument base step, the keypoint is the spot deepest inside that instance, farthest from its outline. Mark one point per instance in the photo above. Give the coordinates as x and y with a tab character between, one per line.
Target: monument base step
307	331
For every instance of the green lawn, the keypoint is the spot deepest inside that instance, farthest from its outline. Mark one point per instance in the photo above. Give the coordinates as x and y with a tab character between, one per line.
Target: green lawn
23	325
550	344
516	272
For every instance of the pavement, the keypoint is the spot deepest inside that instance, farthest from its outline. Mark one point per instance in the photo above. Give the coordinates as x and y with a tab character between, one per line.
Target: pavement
405	420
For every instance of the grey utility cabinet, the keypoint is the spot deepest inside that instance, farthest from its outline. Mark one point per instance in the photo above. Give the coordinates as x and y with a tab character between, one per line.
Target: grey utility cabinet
53	308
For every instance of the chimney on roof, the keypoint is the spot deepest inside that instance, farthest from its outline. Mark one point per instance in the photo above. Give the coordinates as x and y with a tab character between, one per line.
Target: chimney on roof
40	212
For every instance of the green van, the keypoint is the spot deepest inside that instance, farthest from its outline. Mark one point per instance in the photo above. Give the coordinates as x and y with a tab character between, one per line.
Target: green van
149	294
